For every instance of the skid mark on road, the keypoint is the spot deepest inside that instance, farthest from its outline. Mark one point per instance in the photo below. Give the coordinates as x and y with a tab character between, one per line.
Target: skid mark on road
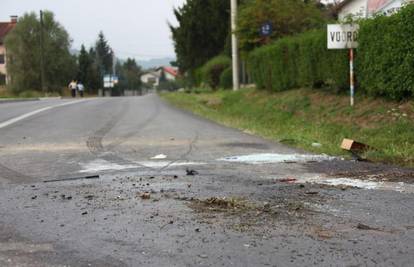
94	142
139	127
95	146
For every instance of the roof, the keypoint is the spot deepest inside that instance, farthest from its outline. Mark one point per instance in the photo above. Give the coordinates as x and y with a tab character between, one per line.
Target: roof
5	28
171	71
373	5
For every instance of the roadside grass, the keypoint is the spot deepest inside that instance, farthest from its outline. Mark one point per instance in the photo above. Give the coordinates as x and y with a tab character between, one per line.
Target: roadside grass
4	93
302	117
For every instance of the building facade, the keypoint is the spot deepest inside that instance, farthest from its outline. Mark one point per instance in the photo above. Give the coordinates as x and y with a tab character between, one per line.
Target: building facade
5	28
359	9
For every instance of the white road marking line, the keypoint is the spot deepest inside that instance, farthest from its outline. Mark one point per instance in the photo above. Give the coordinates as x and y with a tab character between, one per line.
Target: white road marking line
32	113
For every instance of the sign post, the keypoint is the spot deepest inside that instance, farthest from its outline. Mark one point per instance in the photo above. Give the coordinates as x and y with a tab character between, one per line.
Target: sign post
345	36
234	46
351	75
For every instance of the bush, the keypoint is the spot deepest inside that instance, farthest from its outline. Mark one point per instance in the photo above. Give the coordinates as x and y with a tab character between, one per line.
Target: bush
226	79
299	61
212	70
385	59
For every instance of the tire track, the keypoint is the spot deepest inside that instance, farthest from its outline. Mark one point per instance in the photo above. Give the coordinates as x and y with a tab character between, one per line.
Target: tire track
94	142
95	145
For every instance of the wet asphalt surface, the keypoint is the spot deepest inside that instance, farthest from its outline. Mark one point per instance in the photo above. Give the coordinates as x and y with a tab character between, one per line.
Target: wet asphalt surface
151	212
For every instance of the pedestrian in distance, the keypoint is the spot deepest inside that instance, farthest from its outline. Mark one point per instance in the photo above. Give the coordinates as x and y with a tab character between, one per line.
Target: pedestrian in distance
81	89
73	86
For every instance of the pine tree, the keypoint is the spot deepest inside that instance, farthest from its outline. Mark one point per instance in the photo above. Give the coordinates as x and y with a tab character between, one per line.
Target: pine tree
104	55
201	33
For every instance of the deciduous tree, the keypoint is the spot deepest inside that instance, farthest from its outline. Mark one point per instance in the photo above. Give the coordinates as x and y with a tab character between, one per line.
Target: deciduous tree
287	17
24	54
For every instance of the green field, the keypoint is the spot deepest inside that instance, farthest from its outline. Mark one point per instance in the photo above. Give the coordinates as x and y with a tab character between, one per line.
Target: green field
302	117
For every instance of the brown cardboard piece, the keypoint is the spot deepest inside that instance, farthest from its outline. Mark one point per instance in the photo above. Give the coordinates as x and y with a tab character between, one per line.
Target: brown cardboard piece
351	145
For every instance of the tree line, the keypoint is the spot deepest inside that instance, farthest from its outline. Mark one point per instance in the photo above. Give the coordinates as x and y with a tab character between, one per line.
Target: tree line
36	44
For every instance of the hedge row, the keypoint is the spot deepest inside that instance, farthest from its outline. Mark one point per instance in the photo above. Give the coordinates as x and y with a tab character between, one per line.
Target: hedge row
300	61
384	60
211	72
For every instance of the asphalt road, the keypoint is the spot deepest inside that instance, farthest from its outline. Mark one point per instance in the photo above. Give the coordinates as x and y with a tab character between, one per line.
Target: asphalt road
177	190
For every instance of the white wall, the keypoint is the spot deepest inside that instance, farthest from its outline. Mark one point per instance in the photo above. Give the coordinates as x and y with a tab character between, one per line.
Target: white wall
356	9
393	7
169	76
2	66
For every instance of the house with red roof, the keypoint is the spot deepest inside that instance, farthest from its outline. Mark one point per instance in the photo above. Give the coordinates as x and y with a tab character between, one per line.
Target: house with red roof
368	8
153	77
170	73
5	28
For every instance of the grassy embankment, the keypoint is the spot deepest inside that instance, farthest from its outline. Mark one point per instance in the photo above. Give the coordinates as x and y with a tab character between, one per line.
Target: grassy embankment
4	93
302	117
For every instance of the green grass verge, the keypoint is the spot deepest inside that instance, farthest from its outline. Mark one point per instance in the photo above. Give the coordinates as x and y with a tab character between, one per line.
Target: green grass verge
302	117
6	94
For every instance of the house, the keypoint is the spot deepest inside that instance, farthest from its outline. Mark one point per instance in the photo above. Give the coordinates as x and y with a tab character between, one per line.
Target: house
392	7
153	77
367	8
5	28
169	72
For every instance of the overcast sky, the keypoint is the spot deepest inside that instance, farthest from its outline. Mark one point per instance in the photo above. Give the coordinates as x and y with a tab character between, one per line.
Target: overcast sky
134	28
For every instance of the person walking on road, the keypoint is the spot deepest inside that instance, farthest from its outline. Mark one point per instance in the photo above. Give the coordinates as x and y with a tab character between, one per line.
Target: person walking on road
81	89
73	86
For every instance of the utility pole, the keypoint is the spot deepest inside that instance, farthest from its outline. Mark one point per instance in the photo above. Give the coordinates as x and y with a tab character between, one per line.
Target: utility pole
42	54
235	46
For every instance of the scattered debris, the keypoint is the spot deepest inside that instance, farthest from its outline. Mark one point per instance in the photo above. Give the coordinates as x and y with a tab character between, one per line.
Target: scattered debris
73	179
355	148
160	156
266	207
89	197
145	195
361	226
64	197
219	204
351	145
311	193
289	180
191	172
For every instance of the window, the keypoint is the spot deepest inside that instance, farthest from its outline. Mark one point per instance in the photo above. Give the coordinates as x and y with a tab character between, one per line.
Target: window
2	79
1	58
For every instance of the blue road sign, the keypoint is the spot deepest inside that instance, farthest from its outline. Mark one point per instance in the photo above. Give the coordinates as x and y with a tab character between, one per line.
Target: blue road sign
266	29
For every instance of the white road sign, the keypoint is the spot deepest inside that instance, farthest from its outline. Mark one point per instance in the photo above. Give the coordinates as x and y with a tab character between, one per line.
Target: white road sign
343	36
